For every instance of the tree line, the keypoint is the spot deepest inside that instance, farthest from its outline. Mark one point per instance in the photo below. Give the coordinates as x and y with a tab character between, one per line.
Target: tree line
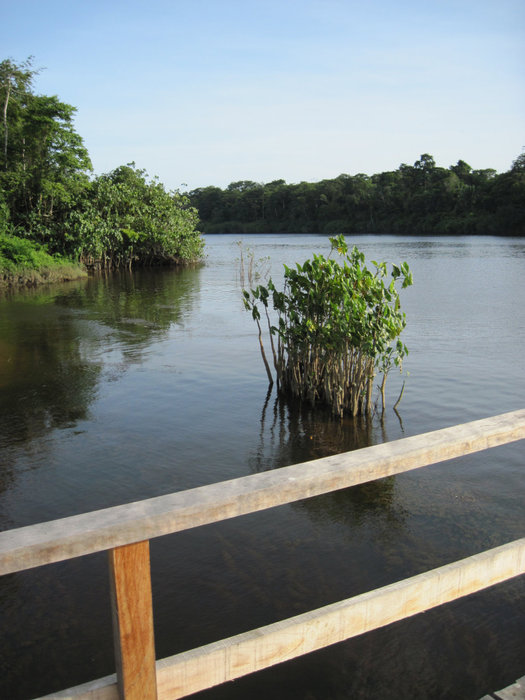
49	197
415	199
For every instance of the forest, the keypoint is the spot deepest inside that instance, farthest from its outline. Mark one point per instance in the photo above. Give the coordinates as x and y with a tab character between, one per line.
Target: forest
52	205
54	211
414	199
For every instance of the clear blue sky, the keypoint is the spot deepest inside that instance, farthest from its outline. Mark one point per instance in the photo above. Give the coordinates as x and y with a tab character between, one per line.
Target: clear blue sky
206	93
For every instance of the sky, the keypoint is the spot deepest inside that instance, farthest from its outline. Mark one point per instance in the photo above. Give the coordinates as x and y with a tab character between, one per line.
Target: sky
204	93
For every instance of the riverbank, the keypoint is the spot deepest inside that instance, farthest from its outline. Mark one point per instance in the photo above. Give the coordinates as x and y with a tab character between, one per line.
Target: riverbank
24	263
47	275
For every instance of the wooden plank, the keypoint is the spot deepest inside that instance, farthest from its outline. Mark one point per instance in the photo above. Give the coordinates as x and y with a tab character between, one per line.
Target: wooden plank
516	691
228	659
75	536
101	689
132	610
225	660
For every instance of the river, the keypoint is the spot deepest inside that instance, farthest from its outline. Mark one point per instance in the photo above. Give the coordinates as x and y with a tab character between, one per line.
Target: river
127	386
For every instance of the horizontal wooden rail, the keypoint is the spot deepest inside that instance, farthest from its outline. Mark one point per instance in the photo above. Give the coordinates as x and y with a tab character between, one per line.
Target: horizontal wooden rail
35	545
204	667
125	531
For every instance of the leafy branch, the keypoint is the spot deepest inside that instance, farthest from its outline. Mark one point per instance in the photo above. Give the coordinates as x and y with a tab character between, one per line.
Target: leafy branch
338	326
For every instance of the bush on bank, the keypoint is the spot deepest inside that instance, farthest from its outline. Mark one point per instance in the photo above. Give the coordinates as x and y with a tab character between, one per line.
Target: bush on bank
49	196
24	262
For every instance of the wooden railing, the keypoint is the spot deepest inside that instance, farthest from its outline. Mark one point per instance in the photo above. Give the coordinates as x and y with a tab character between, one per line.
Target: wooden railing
125	532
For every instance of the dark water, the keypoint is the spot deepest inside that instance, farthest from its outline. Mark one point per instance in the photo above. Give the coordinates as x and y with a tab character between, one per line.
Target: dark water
126	387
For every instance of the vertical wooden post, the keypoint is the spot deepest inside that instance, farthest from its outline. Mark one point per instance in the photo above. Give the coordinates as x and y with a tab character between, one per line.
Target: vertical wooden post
132	609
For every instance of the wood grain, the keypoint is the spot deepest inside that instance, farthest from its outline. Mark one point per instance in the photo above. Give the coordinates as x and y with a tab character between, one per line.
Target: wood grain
132	610
225	660
27	547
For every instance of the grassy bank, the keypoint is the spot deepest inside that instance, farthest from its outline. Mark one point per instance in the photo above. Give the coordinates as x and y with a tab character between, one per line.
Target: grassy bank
25	263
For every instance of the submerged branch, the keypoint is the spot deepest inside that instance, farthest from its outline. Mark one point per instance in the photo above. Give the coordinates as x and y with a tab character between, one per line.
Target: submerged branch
263	355
400	396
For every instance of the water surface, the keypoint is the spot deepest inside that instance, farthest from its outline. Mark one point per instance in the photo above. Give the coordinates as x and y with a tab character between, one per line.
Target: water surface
124	387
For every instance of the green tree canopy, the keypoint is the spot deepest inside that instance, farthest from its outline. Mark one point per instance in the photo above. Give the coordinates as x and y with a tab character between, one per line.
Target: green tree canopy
414	199
47	192
44	161
126	218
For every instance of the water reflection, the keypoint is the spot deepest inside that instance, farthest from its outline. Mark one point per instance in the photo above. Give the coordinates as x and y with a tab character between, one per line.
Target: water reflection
354	507
188	409
47	381
138	307
292	432
57	343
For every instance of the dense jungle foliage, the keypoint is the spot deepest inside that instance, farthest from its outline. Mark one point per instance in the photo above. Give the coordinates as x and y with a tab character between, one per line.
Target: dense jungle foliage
420	199
49	198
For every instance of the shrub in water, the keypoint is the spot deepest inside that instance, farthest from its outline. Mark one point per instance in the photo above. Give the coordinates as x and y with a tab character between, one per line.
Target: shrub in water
338	327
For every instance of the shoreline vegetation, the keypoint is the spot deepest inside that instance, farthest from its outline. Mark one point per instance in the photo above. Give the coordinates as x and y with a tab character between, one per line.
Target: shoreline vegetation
50	200
419	199
52	205
24	263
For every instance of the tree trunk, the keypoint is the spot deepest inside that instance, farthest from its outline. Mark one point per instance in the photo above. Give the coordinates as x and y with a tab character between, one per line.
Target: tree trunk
8	91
